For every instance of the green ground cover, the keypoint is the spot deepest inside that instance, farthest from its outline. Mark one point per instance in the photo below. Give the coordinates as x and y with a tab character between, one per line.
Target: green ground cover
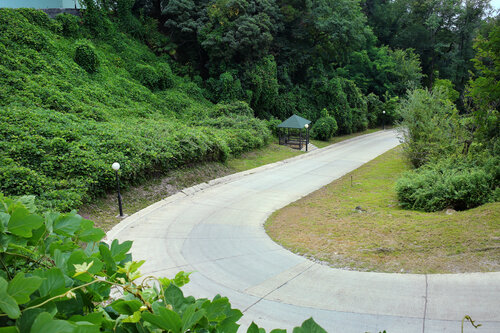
64	123
381	236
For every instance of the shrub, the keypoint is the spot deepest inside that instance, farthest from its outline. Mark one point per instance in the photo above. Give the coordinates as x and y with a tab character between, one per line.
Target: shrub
147	75
448	184
430	127
324	128
165	76
272	125
375	108
70	24
236	108
95	18
86	57
155	78
40	19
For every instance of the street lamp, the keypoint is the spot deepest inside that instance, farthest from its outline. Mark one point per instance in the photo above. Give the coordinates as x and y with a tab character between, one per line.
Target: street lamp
383	119
307	134
116	167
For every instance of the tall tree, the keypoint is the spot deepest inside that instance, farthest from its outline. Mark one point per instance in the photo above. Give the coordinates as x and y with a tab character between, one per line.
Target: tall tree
440	31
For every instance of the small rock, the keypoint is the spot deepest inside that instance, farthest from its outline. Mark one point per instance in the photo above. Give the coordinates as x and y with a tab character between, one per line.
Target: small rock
450	211
359	209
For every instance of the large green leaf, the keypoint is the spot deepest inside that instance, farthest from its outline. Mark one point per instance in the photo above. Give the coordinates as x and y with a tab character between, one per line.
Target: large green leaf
119	251
94	318
229	325
174	297
9	329
4	221
126	307
44	323
67	224
27	318
165	319
28	201
218	309
78	257
22	222
53	281
7	303
309	326
253	328
21	287
191	317
107	258
92	235
86	327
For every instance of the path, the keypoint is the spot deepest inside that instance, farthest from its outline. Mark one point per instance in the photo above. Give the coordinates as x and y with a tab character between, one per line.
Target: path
216	231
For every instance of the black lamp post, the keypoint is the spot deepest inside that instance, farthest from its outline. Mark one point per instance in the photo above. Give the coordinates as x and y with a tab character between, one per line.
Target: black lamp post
383	119
116	167
307	134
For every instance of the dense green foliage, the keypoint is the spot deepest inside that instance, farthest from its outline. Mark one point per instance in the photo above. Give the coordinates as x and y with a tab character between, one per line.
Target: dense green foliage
485	86
457	155
159	83
450	183
57	275
86	57
431	126
325	127
284	57
440	32
71	106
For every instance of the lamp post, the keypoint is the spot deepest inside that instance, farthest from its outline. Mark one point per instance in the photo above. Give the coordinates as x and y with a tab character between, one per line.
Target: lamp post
383	119
307	134
116	167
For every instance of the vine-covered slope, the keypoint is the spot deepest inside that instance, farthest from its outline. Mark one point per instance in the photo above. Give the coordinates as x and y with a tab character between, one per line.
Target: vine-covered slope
71	105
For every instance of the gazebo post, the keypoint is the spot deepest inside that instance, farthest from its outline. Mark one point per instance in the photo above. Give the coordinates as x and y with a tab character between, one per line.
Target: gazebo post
289	135
300	139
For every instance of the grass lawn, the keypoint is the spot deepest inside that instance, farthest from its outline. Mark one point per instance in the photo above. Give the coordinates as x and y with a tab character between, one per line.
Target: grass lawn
256	158
381	236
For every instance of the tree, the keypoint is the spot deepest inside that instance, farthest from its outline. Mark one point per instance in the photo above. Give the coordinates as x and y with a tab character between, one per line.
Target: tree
441	33
485	87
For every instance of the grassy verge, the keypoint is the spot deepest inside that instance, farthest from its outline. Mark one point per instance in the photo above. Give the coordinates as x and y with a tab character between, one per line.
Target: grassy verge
336	139
258	157
380	236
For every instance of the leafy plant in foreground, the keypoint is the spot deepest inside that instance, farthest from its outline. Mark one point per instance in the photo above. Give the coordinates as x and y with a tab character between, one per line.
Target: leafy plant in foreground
57	275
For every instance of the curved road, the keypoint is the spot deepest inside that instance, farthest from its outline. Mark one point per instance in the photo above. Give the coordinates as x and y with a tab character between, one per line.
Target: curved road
215	230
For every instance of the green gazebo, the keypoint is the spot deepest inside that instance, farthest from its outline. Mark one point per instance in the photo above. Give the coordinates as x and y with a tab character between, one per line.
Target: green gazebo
290	132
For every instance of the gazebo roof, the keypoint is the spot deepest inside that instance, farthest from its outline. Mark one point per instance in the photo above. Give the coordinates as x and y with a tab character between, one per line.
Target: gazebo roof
294	122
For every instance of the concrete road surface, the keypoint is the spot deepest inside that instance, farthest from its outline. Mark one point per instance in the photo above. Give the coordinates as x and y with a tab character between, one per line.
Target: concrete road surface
216	231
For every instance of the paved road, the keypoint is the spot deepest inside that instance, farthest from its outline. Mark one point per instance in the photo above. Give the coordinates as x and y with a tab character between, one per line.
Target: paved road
216	231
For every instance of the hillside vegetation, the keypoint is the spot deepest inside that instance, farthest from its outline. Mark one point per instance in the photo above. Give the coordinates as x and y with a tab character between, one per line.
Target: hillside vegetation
64	123
156	84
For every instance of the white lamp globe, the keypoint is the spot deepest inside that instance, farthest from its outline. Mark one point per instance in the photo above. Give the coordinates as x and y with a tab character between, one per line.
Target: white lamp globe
306	126
116	166
383	112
